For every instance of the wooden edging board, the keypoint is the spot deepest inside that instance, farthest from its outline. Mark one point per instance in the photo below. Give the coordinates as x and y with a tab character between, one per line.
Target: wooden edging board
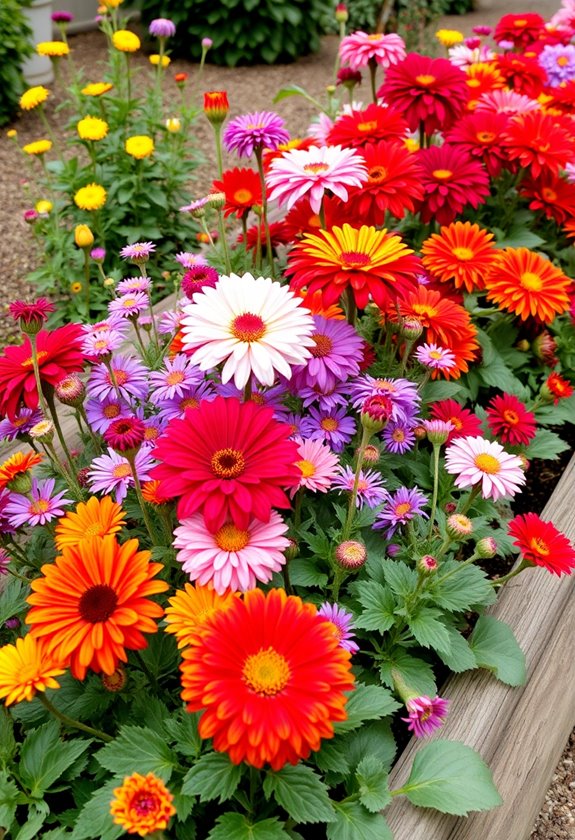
519	732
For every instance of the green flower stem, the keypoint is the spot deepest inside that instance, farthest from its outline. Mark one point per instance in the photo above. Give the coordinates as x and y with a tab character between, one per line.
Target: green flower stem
139	336
337	61
351	511
372	75
128	78
36	368
405	356
436	451
224	241
48	127
338	578
16	550
72	469
206	230
503	580
94	438
113	380
258	151
87	281
68	721
218	139
19	577
459	566
131	459
297	508
470	499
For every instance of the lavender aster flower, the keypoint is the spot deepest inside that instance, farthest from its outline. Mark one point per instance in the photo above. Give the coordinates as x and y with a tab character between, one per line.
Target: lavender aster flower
131	377
130	304
170	321
291	419
342	623
162	28
425	715
188	260
139	252
41	507
335	427
102	343
174	379
111	473
22	423
101	413
198	205
558	61
335	355
5	527
134	284
400	507
403	394
189	401
398	437
370	489
435	357
327	399
257	130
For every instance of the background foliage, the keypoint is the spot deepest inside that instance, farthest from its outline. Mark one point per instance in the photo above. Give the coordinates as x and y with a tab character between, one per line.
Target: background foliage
15	46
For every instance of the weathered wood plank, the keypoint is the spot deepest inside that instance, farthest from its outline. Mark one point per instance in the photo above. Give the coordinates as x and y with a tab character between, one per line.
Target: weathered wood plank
519	732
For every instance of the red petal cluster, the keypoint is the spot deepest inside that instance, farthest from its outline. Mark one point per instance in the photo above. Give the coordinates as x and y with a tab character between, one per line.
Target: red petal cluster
541	544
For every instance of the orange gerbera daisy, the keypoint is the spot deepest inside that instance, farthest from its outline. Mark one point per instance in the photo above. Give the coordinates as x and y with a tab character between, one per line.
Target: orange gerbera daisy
94	518
460	253
482	77
17	464
151	493
190	609
526	283
142	805
314	302
92	605
445	323
371	262
271	677
25	668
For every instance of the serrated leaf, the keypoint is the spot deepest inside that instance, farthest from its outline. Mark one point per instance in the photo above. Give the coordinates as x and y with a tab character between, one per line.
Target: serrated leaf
236	827
7	740
12	598
435	391
375	739
371	776
415	672
213	776
399	577
303	572
460	657
452	778
185	733
95	821
8	800
43	768
367	702
301	793
36	817
138	749
495	648
468	586
378	606
354	822
428	631
546	444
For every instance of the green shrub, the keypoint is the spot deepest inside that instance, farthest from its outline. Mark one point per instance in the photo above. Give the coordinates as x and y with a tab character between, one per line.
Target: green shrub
243	31
15	46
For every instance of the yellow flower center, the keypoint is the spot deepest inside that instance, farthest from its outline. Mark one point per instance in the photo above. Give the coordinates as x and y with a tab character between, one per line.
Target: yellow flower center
39	506
402	509
175	377
328	424
366	127
40	355
562	60
520	23
243	196
127	302
96	529
189	402
266	672
442	174
424	310
316	168
487	463
398	435
230	538
121	471
456	423
248	327
539	546
511	417
228	463
425	79
306	467
463	253
530	281
473	83
435	354
121	376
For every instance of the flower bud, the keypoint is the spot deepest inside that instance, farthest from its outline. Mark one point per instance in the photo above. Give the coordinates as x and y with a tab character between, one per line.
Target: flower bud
83	236
173	124
43	431
180	79
341	13
216	106
109	282
292	551
371	454
216	200
411	329
82	476
71	390
207	43
21	483
427	564
486	548
98	255
544	348
43	207
30	216
393	550
351	555
523	345
375	412
459	526
330	90
420	432
12	623
450	507
348	78
116	681
437	431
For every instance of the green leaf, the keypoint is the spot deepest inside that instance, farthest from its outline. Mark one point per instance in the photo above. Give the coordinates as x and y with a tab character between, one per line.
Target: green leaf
289	90
468	586
374	739
371	776
12	598
435	391
520	237
378	604
185	733
416	673
498	375
138	749
8	800
460	657
354	822
495	648
428	631
399	577
37	813
7	740
304	572
213	776
236	827
546	444
301	793
367	702
95	821
41	767
452	778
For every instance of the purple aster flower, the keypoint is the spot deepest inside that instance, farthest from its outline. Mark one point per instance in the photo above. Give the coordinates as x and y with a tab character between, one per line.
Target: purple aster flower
198	205
22	423
435	357
4	562
101	413
291	419
170	321
174	379
139	252
335	357
112	473
370	489
191	399
400	507
187	259
425	715
131	377
260	394
342	622
258	130
102	343
5	527
162	28
154	427
334	427
327	400
558	61
41	507
129	304
403	394
134	284
112	322
398	437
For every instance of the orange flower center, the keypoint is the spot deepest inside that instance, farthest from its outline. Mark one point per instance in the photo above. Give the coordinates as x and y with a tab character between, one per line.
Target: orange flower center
189	402
328	424
244	196
111	411
520	23
306	467
323	345
456	423
230	538
266	672
376	175
101	344
377	36
402	509
562	60
40	355
511	417
530	281
366	127
485	136
121	471
425	79
549	194
398	435
175	377
316	168
314	221
248	327
487	463
354	259
463	253
144	804
97	603
228	463
151	433
19	421
442	174
258	399
539	546
121	376
96	529
39	506
384	385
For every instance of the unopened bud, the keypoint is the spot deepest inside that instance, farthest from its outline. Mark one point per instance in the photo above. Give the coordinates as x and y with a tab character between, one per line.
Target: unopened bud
82	476
437	431
341	13
116	681
411	329
393	550
71	390
427	564
351	555
450	507
420	432
173	124
486	548
375	412
12	623
459	526
523	345
371	454
216	200
83	236
292	551
216	106
330	90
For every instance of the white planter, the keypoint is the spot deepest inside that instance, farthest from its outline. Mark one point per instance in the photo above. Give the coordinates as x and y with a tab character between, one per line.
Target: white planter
38	68
84	12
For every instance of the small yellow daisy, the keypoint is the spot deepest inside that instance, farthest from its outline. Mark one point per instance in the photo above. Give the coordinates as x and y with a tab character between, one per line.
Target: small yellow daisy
449	37
173	124
92	128
96	88
43	207
38	147
92	197
53	49
125	41
140	146
75	288
155	60
33	97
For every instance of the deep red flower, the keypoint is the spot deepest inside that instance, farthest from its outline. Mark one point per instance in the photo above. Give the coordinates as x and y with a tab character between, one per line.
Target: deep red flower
302	219
521	29
551	194
393	183
510	421
229	460
524	75
242	188
465	422
541	544
34	314
558	387
428	92
539	142
563	97
125	433
59	354
451	180
280	234
368	126
479	135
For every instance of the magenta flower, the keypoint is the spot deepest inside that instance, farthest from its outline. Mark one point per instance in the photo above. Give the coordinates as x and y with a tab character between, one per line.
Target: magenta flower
356	50
207	43
258	130
131	377
198	277
342	625
335	355
98	254
162	28
174	379
31	313
402	393
125	434
425	715
334	427
370	489
327	399
435	357
139	252
505	101
41	507
170	321
59	16
318	465
111	473
400	508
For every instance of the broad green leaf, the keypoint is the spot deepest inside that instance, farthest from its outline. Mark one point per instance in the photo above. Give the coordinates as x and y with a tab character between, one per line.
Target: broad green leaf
546	444
468	586
498	375
452	778
30	830
374	739
37	744
371	776
495	648
399	577
428	631
460	657
301	793
236	827
95	821
290	90
43	768
305	573
12	598
366	702
213	776
416	673
7	740
184	731
378	606
435	391
138	749
354	822
8	800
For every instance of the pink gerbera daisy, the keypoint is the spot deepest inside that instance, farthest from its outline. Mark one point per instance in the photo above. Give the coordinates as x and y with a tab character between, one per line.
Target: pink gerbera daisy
317	463
357	49
477	461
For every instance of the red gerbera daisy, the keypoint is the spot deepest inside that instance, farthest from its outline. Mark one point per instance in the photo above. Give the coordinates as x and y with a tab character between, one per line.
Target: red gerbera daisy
368	126
59	354
451	180
524	75
393	183
510	421
541	544
229	460
429	92
558	387
538	142
280	234
242	188
479	135
270	675
465	423
302	219
564	96
551	194
521	29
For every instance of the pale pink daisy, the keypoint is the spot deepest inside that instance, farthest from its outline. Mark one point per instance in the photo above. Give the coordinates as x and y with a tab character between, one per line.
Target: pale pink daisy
461	55
475	460
435	357
102	343
318	465
357	49
231	558
312	171
187	259
319	130
506	101
134	284
254	325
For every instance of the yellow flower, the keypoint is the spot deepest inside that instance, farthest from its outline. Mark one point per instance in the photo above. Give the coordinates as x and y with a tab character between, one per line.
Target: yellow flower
140	146
411	144
38	147
43	207
12	133
33	97
83	236
25	668
92	128
155	60
92	197
111	4
96	88
173	124
125	41
75	287
53	49
449	37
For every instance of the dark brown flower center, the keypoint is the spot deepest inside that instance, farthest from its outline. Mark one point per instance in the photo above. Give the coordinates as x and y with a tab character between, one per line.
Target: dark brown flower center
98	603
228	463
